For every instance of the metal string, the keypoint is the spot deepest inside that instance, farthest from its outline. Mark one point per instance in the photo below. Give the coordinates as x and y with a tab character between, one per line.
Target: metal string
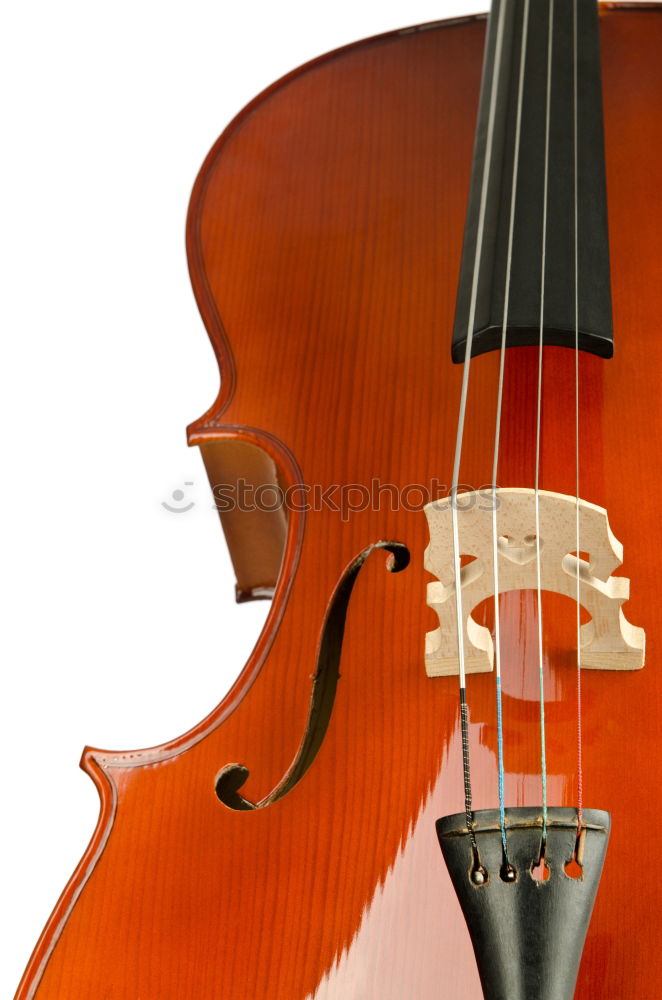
580	775
541	679
497	435
464	719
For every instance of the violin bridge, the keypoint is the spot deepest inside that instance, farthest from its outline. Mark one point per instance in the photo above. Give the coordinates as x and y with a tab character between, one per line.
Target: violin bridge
608	640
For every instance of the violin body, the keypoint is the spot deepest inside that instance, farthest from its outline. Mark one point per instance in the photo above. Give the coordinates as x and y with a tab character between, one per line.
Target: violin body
324	238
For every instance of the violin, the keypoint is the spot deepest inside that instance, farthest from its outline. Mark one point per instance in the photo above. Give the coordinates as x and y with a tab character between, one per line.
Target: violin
428	266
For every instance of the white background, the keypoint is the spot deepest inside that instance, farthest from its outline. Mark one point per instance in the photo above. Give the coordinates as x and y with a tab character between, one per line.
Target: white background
119	627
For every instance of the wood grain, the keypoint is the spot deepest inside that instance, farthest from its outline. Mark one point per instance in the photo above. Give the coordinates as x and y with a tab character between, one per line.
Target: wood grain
324	243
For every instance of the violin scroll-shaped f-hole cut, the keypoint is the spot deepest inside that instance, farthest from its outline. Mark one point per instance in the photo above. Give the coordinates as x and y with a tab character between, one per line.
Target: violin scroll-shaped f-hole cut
325	681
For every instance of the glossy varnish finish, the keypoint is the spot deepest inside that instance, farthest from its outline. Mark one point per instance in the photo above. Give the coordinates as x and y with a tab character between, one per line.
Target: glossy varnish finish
324	238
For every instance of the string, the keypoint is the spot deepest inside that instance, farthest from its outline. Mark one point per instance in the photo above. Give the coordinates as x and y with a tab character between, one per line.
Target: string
464	715
541	679
497	436
580	775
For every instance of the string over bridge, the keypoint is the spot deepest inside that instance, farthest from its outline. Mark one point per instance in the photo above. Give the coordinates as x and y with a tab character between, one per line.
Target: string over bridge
608	640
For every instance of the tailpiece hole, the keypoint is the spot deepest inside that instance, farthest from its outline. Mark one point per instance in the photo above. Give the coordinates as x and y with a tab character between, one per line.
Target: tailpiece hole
540	871
573	869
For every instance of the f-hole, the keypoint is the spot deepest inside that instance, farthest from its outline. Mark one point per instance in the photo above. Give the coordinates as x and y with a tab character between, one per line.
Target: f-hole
325	682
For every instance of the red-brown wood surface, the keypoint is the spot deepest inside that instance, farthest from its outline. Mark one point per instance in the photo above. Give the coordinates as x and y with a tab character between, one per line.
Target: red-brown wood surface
324	239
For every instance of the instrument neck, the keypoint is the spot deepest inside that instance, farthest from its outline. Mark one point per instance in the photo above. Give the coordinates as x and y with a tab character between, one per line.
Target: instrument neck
547	108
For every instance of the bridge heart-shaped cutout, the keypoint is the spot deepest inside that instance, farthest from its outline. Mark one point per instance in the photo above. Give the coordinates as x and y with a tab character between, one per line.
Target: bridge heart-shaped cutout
520	551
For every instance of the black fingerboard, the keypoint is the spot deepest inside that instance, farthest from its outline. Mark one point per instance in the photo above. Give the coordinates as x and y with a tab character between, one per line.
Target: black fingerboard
496	145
